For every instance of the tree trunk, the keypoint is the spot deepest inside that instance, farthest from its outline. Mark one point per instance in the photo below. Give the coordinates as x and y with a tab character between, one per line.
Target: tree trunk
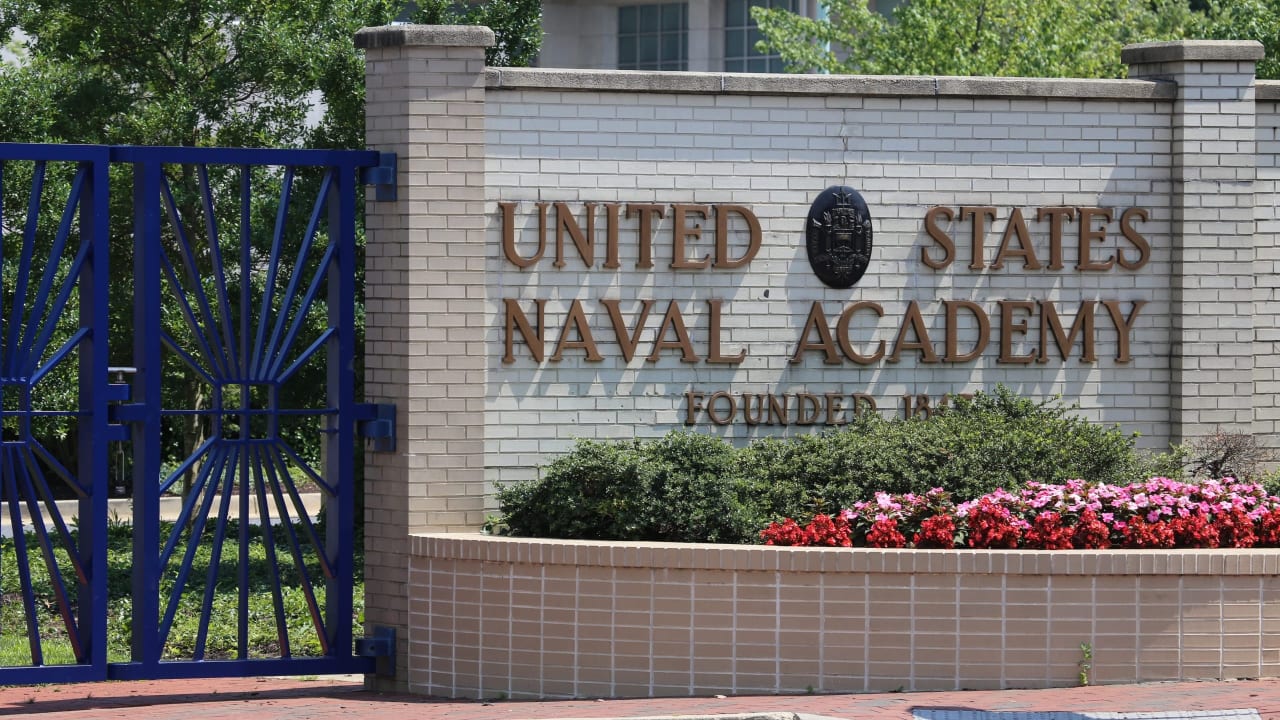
194	432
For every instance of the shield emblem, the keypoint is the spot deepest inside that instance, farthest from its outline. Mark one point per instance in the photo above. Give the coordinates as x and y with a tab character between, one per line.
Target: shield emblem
838	236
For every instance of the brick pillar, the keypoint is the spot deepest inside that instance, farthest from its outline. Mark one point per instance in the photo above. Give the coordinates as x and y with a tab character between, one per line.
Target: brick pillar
1214	164
425	301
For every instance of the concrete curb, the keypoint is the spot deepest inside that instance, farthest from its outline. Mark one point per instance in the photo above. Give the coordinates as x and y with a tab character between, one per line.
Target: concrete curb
734	716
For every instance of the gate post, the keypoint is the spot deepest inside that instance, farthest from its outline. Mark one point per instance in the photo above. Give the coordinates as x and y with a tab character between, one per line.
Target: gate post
1214	165
424	301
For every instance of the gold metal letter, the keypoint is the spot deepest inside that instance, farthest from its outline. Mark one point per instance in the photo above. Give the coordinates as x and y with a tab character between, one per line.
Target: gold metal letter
1049	323
1130	234
922	343
509	235
1123	327
1055	216
1088	234
944	240
842	333
566	222
980	216
578	320
723	261
680	230
645	211
952	354
627	341
817	320
516	320
674	320
1008	327
713	339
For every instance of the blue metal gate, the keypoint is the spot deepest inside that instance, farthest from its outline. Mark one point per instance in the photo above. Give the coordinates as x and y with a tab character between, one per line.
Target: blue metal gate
204	361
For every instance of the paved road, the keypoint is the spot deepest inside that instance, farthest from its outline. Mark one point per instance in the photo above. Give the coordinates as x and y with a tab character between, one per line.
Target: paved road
321	699
122	510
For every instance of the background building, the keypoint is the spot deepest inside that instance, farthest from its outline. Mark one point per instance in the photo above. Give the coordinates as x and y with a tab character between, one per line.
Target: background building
702	35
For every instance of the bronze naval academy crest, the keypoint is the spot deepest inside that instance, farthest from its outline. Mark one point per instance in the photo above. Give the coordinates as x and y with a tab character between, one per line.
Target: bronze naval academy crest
838	235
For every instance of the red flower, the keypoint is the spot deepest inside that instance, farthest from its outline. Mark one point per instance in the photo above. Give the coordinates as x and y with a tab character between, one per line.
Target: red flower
831	532
1235	529
991	526
787	533
884	534
1269	529
938	531
1091	533
1048	533
1194	531
1141	534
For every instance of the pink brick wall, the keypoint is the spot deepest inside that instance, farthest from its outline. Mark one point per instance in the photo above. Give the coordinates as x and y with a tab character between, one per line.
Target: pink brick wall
493	617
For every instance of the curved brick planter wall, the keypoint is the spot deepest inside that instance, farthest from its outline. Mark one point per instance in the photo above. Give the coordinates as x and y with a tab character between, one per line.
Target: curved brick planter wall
552	618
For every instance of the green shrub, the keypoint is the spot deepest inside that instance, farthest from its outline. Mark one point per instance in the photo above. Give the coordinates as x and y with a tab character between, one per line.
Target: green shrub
591	493
990	441
696	491
1001	440
690	488
682	488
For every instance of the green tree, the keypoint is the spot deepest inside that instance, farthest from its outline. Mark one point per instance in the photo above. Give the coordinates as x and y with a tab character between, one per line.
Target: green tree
1012	38
200	73
1248	20
517	25
250	73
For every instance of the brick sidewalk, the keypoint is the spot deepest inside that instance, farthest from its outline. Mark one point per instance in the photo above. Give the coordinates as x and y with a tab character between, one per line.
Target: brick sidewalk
278	698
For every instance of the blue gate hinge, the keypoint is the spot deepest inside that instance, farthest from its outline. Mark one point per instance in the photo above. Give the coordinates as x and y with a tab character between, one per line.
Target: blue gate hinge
382	647
382	177
376	422
119	415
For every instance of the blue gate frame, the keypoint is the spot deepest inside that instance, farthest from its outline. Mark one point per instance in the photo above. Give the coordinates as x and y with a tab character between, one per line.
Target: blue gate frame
253	310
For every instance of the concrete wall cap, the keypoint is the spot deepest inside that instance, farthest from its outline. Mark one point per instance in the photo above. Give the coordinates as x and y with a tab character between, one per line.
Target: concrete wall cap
864	85
1267	90
707	556
1184	50
437	35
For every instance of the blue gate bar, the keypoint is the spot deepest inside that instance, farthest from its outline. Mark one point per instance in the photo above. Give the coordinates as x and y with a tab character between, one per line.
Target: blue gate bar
243	156
147	396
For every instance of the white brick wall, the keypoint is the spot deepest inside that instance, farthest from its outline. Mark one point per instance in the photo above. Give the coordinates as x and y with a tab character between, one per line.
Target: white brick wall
774	154
1266	362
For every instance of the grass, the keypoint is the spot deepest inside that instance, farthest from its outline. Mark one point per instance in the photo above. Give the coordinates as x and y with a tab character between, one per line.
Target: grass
221	641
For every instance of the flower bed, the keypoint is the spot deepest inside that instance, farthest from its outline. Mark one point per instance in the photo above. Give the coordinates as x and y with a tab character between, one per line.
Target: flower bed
1159	513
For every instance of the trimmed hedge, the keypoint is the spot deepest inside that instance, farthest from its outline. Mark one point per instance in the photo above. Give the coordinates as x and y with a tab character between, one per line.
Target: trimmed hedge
696	488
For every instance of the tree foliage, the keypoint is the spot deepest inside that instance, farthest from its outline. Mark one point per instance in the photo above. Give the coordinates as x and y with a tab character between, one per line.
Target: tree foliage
1011	38
248	73
517	25
1248	20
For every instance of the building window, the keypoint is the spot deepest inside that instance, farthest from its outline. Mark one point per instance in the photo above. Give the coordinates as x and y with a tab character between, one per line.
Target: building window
741	36
653	37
